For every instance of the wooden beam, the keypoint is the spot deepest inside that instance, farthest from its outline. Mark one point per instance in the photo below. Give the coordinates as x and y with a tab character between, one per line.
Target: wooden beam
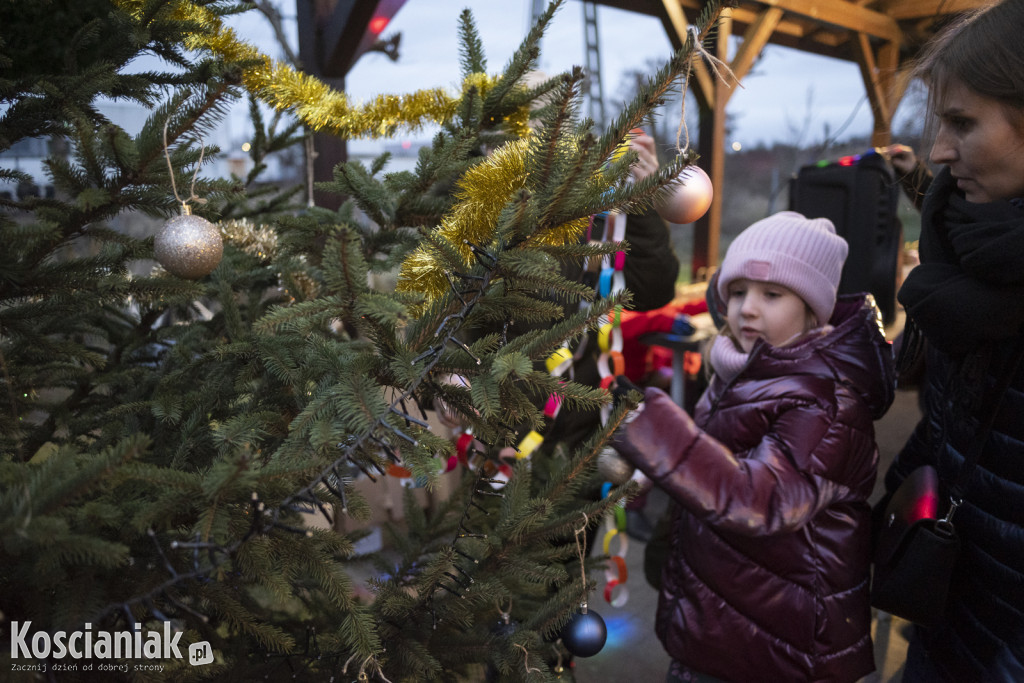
829	44
823	27
743	16
723	91
707	230
900	82
903	10
674	10
681	26
888	62
695	5
651	8
872	83
756	37
878	72
843	14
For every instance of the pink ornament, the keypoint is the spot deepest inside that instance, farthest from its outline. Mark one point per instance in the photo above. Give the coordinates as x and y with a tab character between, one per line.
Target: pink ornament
690	197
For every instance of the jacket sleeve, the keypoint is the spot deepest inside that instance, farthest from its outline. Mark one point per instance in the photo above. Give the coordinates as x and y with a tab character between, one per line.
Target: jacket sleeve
765	492
920	447
651	268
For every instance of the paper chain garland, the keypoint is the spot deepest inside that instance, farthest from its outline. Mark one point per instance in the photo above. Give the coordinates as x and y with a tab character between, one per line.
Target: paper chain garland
610	363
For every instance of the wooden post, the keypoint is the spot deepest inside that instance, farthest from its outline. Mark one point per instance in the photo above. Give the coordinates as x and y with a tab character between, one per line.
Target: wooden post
879	72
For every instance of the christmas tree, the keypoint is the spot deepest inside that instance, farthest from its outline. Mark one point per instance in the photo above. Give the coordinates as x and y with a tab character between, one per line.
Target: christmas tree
167	430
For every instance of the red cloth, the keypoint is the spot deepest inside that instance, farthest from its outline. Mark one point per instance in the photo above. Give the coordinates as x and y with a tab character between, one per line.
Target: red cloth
642	359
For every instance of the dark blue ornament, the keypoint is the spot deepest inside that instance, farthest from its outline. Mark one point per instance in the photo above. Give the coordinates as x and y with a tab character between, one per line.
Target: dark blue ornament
505	628
585	634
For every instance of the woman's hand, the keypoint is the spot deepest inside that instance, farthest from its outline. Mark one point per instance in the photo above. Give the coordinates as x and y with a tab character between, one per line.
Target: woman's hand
647	159
902	158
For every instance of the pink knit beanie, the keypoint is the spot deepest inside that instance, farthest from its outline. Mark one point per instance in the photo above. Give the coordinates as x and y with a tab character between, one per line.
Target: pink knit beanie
787	248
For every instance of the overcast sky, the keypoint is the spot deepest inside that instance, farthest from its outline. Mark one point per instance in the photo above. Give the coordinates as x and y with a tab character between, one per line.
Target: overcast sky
788	91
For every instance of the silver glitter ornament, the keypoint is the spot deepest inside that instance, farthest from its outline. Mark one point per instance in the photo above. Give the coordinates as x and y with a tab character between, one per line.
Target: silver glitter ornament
189	246
613	467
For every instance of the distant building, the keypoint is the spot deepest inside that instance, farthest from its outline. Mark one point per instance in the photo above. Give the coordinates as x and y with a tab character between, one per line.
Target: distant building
404	153
27	157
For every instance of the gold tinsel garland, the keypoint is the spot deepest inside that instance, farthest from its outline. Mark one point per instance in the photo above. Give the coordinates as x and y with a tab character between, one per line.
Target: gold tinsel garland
259	241
315	103
483	191
481	195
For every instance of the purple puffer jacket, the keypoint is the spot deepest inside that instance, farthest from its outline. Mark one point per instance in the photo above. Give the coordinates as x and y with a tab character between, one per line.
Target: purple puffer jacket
767	577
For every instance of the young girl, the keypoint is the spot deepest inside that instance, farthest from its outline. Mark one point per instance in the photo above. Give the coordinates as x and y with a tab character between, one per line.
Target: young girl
767	578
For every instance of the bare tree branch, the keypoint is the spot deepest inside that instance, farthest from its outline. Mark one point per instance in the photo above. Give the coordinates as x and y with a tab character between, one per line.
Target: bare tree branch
270	11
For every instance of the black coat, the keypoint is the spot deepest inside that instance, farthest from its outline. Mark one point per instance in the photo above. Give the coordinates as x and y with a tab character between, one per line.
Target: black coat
982	637
967	299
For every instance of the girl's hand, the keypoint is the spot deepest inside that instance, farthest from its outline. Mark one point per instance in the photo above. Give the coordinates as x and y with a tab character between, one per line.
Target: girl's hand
622	387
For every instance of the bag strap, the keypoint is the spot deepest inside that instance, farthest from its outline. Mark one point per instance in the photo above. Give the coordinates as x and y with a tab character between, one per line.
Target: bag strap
956	492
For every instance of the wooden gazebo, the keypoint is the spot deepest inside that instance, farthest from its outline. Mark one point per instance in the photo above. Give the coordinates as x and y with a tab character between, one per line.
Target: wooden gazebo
881	36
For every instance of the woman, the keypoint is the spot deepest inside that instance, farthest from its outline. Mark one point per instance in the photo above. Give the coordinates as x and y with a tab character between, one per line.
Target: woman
966	300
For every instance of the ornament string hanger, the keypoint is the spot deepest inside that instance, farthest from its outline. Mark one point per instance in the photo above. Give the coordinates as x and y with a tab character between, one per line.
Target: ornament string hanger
187	246
583	569
717	67
506	614
363	676
526	659
185	208
585	633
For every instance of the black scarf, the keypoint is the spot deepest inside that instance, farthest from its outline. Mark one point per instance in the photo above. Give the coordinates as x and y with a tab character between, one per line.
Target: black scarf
969	288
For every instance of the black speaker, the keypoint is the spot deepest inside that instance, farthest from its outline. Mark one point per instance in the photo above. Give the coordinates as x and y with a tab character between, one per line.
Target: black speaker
859	195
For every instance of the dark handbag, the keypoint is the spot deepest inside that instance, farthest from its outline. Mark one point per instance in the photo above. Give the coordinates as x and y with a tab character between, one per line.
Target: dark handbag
916	551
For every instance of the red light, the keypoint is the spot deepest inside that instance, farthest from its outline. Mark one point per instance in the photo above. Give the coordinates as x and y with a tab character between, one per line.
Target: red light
847	161
406	144
377	24
925	507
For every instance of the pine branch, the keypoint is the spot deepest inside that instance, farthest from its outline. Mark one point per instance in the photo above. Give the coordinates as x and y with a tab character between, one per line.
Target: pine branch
471	49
